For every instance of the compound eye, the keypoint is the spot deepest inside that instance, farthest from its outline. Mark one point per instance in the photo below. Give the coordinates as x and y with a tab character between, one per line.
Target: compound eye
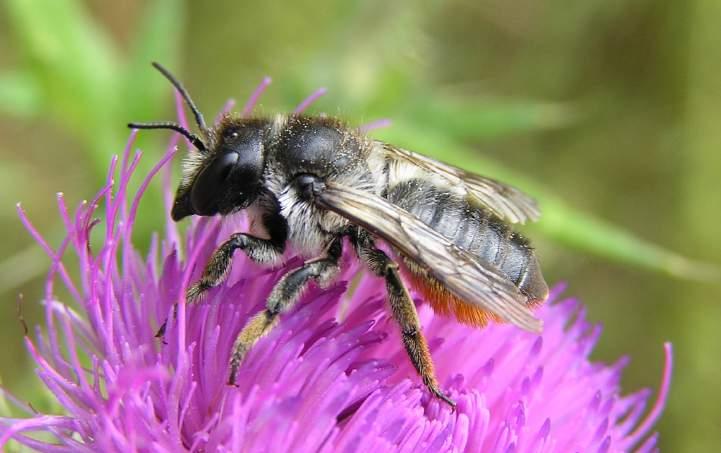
210	185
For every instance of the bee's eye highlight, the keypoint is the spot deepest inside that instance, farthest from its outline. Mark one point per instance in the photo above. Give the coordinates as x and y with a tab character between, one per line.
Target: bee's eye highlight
224	164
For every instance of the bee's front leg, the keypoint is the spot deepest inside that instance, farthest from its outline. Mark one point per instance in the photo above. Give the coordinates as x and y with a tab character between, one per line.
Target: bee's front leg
259	250
282	298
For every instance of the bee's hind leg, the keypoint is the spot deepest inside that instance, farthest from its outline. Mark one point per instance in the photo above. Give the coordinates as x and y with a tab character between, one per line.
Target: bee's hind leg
282	298
403	309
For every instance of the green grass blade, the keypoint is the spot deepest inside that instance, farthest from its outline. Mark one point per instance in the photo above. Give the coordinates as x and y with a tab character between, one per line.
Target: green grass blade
490	118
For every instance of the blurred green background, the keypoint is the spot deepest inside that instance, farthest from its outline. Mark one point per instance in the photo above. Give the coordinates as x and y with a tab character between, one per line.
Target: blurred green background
609	112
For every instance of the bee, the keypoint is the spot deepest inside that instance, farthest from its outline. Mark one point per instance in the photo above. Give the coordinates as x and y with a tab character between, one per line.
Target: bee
311	181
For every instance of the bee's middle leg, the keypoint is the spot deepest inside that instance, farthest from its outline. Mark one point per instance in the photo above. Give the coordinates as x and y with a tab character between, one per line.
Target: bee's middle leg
281	299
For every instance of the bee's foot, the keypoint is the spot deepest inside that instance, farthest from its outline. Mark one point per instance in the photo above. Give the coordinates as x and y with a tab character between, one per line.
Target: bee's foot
440	395
161	332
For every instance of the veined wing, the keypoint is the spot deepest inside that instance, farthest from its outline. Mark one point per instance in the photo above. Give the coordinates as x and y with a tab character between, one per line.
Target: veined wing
456	269
507	202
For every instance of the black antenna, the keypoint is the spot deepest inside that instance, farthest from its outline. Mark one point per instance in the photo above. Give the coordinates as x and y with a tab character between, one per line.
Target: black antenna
194	139
178	86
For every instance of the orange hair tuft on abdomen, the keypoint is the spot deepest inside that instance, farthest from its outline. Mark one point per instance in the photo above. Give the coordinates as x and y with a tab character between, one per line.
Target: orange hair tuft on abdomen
444	302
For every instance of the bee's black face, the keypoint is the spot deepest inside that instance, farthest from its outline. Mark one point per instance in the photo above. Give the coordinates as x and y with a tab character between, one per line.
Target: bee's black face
230	180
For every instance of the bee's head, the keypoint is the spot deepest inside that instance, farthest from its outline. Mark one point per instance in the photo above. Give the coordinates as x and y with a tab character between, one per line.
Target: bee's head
226	178
225	174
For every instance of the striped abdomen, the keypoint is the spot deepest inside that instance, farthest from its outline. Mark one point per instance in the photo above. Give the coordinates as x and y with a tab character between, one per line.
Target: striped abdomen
478	232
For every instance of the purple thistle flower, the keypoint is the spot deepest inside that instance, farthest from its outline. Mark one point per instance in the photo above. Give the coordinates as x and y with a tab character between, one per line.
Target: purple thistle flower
332	377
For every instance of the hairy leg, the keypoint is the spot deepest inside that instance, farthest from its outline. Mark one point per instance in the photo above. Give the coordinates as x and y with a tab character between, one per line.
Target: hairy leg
281	299
403	310
261	251
217	268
